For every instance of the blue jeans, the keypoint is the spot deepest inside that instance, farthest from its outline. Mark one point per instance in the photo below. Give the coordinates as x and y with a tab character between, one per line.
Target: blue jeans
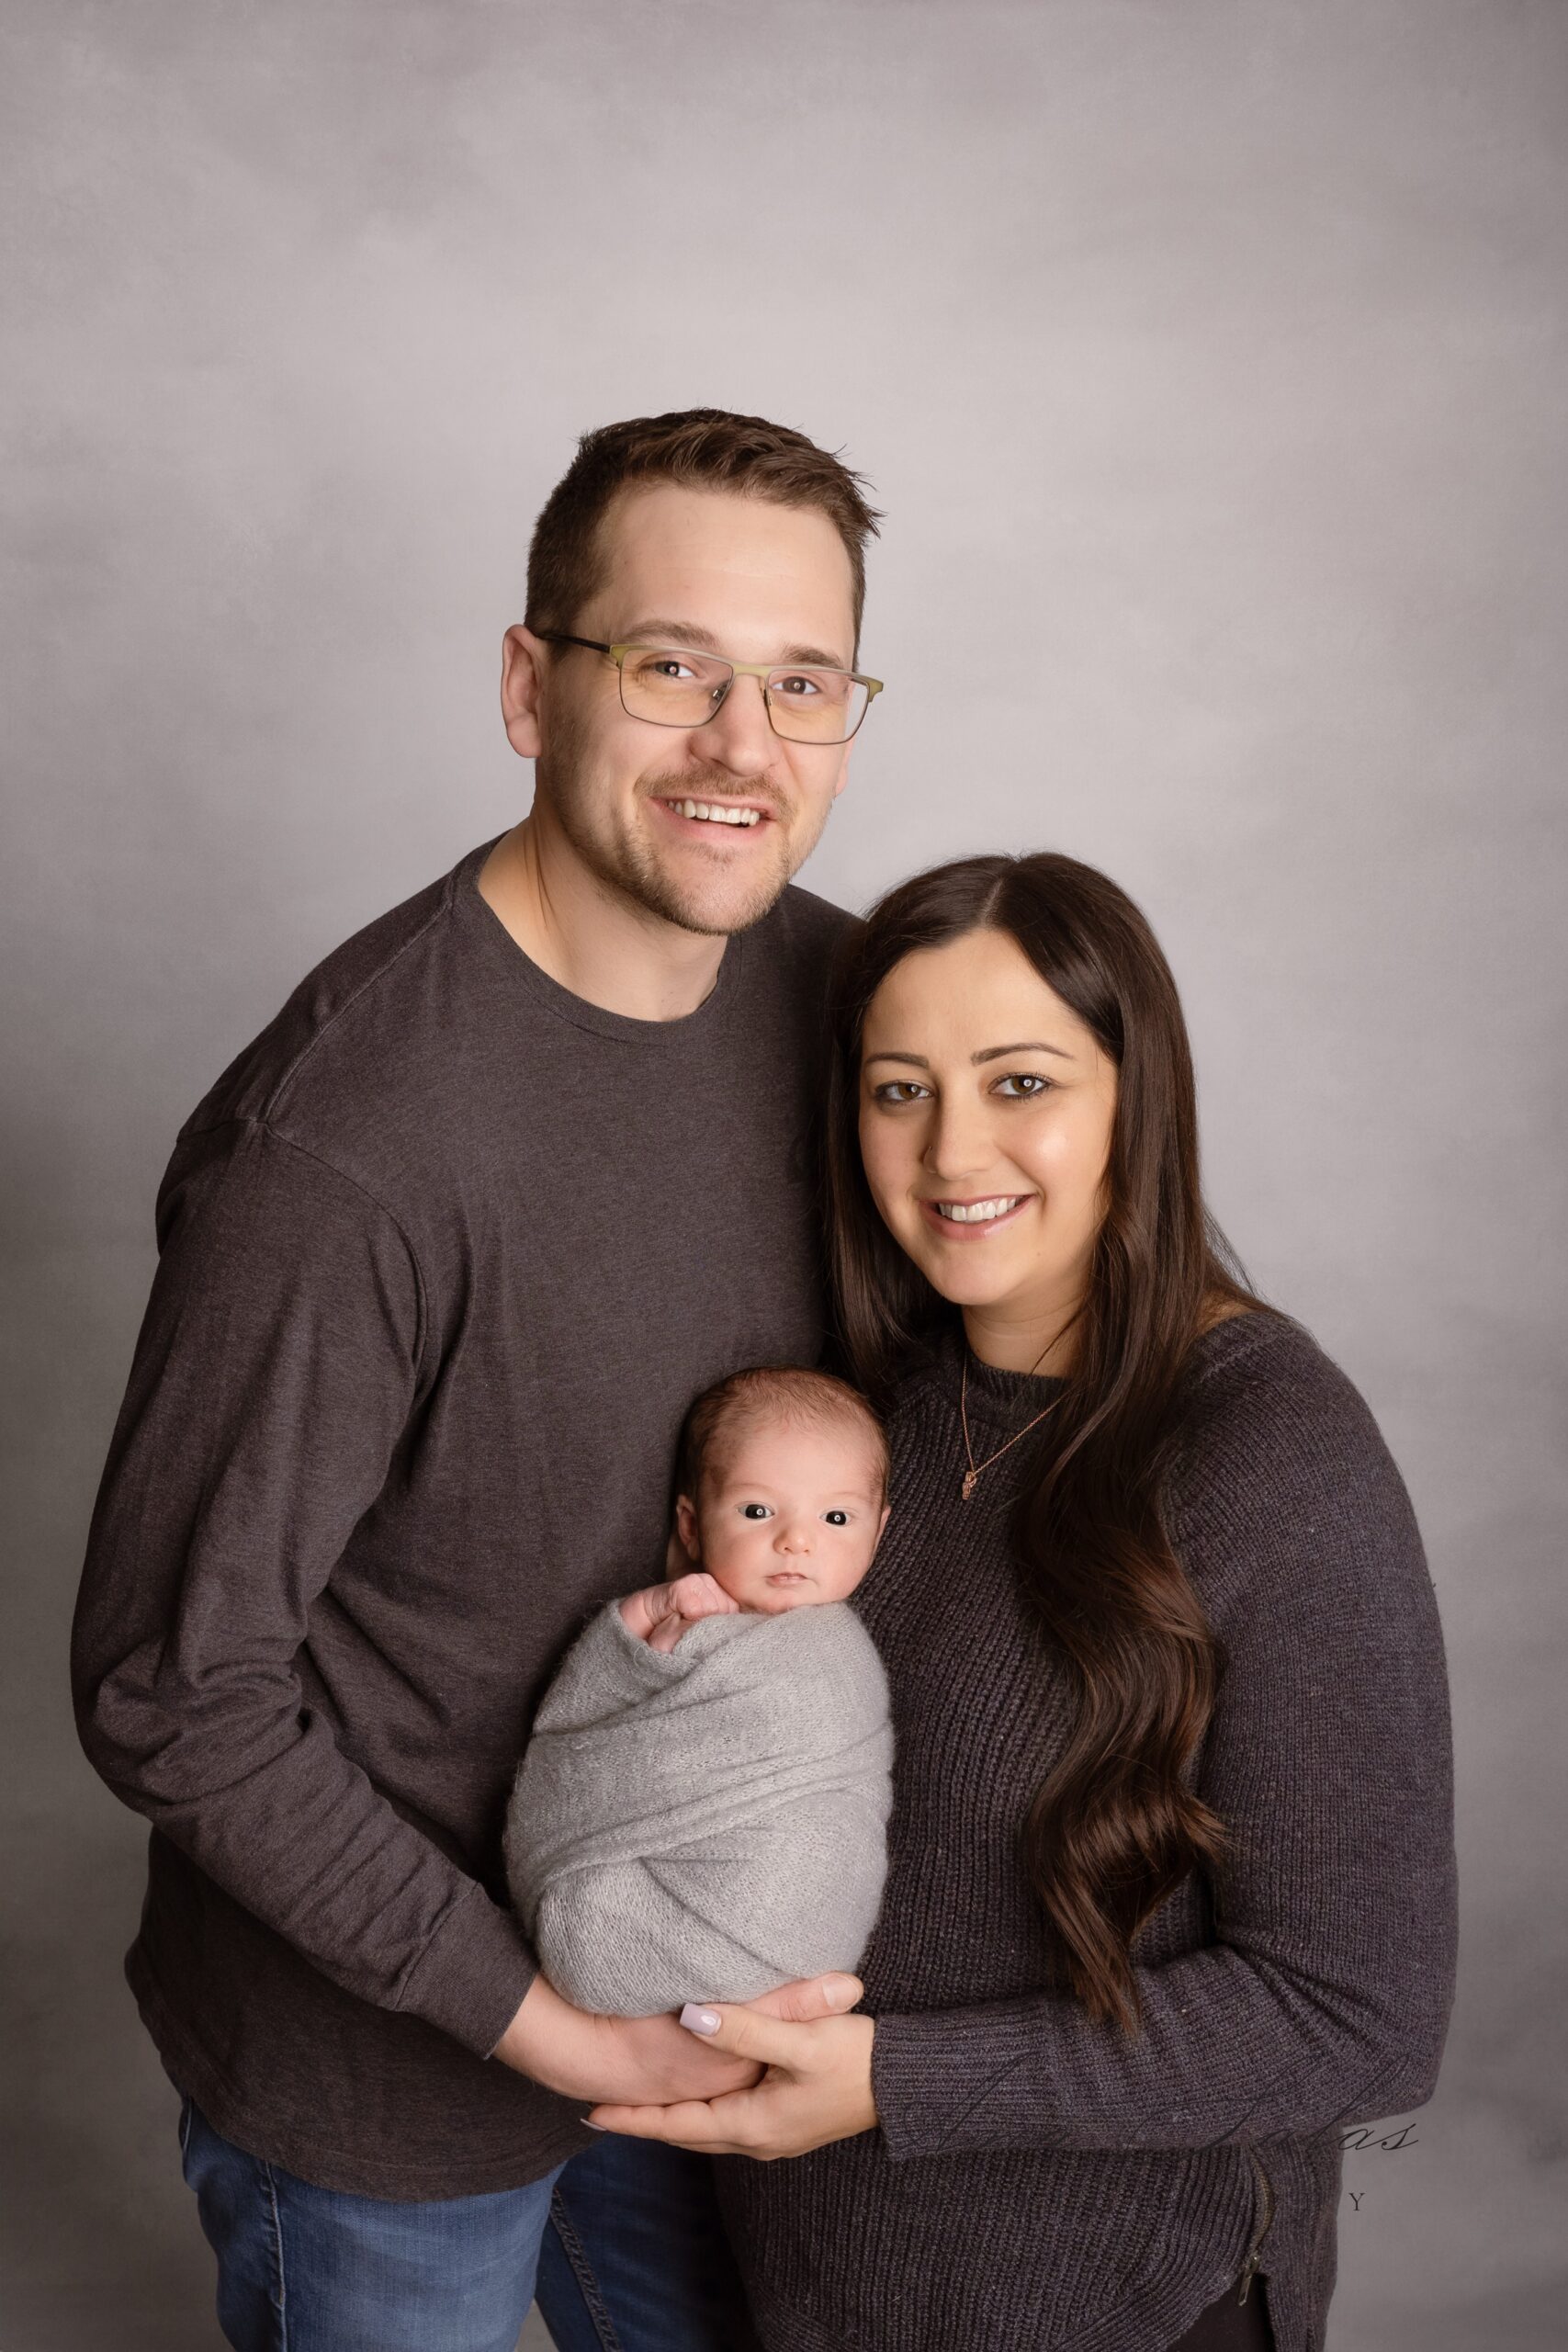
621	2247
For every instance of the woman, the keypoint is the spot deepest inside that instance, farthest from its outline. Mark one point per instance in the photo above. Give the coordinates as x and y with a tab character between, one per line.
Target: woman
1171	1890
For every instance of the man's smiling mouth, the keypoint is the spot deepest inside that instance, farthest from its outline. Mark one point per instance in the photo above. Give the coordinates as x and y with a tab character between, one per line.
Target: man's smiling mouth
715	812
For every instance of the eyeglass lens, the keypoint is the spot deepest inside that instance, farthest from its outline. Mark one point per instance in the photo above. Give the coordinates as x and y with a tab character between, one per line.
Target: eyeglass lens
676	688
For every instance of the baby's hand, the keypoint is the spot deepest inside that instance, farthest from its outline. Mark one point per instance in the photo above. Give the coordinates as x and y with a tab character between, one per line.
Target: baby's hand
661	1613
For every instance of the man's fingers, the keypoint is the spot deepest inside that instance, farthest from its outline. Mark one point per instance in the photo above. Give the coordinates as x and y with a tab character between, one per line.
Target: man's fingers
689	2123
809	1997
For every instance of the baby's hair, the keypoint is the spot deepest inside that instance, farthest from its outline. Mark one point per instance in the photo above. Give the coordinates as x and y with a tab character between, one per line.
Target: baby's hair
772	1390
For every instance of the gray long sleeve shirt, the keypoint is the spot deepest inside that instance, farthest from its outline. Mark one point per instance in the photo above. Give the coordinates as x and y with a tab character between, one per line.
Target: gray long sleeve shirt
1038	2180
444	1257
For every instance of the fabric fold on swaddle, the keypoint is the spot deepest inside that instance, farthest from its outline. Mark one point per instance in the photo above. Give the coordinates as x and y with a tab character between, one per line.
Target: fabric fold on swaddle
704	1824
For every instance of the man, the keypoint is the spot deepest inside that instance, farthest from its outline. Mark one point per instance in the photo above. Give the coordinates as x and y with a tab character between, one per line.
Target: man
445	1254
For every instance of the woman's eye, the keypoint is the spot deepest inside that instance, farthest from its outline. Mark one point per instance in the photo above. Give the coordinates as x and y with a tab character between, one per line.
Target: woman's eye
1025	1085
897	1090
837	1518
755	1510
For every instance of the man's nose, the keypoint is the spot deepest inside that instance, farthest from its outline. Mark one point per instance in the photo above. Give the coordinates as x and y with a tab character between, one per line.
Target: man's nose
737	736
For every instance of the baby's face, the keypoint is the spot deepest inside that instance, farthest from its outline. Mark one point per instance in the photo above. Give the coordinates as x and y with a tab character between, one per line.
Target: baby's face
790	1512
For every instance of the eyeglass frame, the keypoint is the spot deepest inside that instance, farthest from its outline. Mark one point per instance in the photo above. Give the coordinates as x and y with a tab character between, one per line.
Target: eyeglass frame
761	670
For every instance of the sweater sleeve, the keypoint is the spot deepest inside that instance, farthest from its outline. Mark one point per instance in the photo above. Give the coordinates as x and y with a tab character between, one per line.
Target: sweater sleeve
272	1381
1325	1998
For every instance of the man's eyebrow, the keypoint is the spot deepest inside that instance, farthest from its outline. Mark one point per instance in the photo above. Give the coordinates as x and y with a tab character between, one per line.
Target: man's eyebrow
990	1054
668	632
701	640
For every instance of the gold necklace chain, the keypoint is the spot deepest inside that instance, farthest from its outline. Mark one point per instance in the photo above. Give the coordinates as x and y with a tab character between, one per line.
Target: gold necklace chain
975	1469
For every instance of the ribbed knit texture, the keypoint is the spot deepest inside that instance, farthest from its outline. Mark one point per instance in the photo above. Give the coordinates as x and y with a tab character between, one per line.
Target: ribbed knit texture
1038	2180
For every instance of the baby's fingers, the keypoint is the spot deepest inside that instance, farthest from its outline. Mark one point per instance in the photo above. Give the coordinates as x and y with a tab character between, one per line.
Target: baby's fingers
699	1595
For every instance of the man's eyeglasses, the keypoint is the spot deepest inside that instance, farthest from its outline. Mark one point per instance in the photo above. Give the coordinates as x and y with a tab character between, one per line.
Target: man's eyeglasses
673	687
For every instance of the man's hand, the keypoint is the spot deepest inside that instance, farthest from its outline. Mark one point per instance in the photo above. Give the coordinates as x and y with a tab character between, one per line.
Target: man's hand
817	2088
641	2062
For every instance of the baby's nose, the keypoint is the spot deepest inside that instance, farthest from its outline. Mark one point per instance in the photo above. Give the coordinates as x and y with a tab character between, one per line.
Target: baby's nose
794	1539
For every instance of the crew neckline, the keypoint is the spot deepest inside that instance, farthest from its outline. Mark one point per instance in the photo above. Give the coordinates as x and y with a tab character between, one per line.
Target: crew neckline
1000	1397
490	934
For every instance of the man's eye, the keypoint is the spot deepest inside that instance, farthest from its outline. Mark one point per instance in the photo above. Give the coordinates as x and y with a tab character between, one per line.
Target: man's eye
800	684
1027	1083
837	1518
755	1510
898	1090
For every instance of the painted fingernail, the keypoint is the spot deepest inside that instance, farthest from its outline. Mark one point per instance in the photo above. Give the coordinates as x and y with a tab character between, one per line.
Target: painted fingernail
700	2020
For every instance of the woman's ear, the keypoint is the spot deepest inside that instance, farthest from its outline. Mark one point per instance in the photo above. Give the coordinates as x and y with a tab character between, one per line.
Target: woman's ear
687	1530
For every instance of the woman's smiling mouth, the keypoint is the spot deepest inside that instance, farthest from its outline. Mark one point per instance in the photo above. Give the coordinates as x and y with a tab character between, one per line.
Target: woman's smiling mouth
972	1218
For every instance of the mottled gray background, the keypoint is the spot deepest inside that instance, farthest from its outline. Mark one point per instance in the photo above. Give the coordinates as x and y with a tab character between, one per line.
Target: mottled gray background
1209	360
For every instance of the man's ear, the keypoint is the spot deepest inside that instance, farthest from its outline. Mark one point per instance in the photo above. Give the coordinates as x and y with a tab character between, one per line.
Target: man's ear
686	1527
522	678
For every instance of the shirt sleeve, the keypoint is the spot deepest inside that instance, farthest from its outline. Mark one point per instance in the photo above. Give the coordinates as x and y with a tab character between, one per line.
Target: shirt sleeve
272	1382
1325	1999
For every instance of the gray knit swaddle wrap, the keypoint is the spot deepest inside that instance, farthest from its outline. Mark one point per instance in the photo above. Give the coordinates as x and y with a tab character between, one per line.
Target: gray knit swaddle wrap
705	1824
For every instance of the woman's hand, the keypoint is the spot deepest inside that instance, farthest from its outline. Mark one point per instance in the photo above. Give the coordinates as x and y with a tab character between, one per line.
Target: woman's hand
587	2056
817	2088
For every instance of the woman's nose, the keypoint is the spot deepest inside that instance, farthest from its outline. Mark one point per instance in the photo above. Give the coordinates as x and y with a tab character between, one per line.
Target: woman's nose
958	1142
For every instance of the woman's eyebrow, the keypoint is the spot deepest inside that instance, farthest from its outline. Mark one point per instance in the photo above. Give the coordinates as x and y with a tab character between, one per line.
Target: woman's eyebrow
1034	1046
988	1054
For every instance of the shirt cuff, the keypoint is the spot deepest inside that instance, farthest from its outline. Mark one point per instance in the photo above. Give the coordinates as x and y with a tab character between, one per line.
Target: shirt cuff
471	1978
959	2080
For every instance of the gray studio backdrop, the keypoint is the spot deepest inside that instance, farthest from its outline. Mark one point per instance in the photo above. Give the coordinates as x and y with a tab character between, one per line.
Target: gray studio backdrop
1208	360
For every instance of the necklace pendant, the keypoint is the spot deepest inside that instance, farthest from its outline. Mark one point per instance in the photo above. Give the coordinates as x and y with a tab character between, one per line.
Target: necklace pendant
969	1478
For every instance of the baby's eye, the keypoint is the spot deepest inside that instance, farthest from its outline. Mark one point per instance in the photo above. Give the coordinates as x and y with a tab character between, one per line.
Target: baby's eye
837	1518
755	1510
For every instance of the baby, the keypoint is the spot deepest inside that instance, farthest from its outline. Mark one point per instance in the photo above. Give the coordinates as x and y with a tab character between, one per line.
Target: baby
702	1811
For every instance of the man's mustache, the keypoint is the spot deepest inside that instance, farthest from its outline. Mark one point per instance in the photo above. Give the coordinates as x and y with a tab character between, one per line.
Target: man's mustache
708	782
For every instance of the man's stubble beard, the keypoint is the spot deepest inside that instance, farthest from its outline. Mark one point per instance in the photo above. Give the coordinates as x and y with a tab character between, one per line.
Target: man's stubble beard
626	863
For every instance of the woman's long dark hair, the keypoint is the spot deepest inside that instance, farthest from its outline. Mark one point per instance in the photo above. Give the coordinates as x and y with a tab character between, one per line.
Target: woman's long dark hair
1114	1829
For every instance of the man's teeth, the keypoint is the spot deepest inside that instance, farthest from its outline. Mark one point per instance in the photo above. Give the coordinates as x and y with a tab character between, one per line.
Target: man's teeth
975	1212
717	814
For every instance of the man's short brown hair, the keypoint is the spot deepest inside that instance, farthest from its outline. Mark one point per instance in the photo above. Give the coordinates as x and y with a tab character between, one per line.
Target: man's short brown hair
700	448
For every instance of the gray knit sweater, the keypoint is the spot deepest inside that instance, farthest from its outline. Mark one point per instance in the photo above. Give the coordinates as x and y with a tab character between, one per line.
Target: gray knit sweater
1039	2181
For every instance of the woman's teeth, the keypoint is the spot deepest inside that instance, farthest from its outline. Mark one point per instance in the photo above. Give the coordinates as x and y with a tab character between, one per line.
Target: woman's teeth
715	814
975	1212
